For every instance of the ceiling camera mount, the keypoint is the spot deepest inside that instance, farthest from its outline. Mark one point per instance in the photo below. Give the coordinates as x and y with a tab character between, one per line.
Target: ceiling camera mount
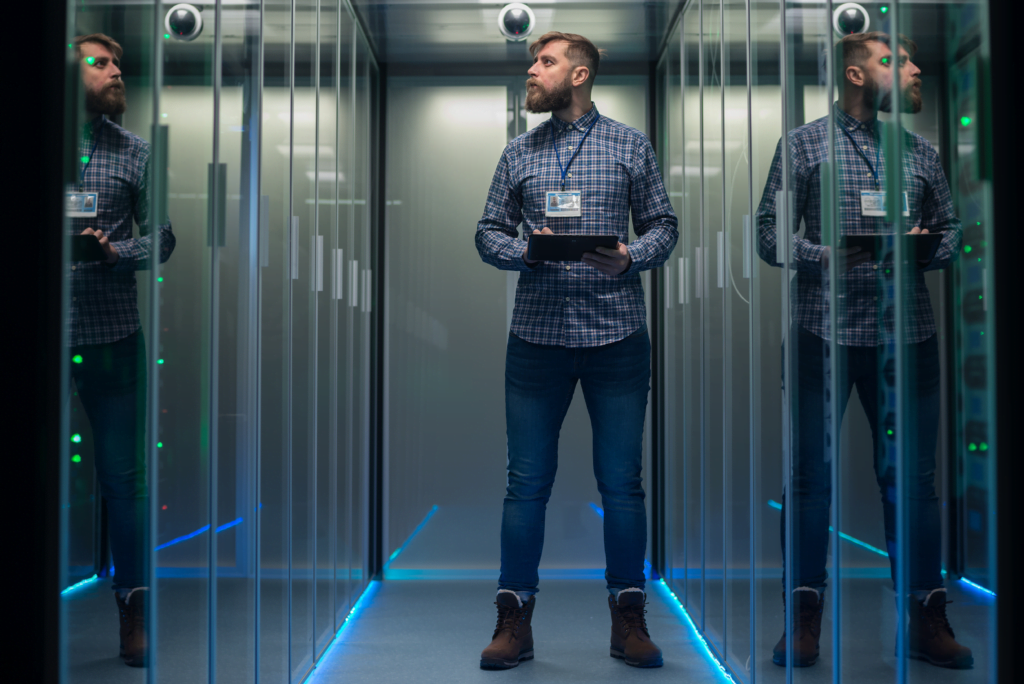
515	21
850	18
184	22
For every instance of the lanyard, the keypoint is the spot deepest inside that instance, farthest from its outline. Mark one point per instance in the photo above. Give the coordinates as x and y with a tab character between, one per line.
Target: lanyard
565	169
878	156
88	160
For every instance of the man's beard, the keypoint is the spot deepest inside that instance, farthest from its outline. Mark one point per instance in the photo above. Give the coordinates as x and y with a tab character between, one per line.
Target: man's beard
110	100
539	101
881	100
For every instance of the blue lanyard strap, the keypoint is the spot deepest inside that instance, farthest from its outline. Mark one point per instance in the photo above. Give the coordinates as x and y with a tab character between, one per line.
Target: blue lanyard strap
878	156
565	169
88	160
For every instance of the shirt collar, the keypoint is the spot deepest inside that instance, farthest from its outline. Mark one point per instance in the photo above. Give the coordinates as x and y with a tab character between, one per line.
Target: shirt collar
852	123
581	124
92	128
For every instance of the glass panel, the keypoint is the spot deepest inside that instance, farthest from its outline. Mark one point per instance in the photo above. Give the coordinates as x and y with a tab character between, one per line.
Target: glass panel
712	255
766	301
109	337
307	266
275	345
736	345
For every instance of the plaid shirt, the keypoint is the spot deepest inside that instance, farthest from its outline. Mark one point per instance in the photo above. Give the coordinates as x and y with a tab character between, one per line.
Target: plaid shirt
930	207
571	304
104	301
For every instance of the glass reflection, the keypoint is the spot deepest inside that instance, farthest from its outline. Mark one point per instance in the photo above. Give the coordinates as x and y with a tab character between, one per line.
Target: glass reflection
104	326
863	352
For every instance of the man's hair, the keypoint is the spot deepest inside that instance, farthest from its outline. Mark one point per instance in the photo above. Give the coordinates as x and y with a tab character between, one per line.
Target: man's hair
579	51
853	50
102	39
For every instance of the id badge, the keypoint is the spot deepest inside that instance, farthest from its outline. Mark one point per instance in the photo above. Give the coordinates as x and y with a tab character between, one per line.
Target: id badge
872	203
564	204
81	204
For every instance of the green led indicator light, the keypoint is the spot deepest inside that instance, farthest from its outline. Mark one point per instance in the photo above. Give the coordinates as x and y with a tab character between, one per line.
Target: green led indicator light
160	280
979	258
888	270
160	361
965	120
167	35
982	332
983	446
967	248
76	459
90	60
980	296
972	447
85	160
70	45
76	438
159	445
889	432
984	243
77	358
885	60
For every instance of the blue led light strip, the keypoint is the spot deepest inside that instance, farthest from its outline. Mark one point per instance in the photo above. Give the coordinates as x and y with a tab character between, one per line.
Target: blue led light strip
712	656
977	586
359	607
419	527
600	512
204	528
853	540
78	585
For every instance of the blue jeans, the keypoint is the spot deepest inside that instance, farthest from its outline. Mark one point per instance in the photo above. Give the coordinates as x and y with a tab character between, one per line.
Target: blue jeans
812	484
111	383
539	384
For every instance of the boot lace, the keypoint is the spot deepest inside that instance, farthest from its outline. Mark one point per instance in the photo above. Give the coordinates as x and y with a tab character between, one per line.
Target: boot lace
509	619
633	617
937	619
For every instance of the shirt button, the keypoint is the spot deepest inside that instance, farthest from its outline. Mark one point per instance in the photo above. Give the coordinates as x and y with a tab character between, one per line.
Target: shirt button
868	175
567	299
568	175
73	268
566	268
875	267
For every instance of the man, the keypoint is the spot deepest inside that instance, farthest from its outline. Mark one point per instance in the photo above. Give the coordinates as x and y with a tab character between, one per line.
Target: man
103	325
575	321
865	76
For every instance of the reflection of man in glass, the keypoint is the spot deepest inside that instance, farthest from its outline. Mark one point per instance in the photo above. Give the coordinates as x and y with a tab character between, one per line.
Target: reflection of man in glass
865	72
575	323
103	325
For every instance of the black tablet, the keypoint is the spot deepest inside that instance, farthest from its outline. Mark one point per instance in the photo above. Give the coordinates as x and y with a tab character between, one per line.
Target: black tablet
920	247
86	248
566	247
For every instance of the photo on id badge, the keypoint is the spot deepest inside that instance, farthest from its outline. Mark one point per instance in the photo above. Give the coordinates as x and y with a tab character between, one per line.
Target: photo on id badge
563	204
80	204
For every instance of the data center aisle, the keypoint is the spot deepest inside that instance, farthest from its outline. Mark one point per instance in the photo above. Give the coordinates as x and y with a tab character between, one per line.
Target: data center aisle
428	631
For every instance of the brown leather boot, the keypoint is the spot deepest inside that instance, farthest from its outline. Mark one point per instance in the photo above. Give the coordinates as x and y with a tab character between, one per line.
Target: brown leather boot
808	605
631	641
132	615
930	637
513	637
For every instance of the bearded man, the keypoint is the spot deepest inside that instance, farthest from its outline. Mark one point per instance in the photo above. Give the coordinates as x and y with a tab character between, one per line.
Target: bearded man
870	79
103	329
578	173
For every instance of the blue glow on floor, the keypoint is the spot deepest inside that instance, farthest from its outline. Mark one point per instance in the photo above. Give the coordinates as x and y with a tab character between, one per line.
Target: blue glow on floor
708	651
969	583
853	540
198	532
78	585
600	512
419	527
360	605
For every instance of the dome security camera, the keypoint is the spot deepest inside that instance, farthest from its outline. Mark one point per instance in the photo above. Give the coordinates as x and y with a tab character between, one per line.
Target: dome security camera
184	22
515	21
850	18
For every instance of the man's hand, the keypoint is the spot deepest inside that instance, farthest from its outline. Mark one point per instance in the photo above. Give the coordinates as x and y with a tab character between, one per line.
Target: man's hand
918	231
610	261
849	258
531	262
108	248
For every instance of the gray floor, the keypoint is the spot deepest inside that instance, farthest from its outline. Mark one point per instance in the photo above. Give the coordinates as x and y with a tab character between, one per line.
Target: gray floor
433	631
